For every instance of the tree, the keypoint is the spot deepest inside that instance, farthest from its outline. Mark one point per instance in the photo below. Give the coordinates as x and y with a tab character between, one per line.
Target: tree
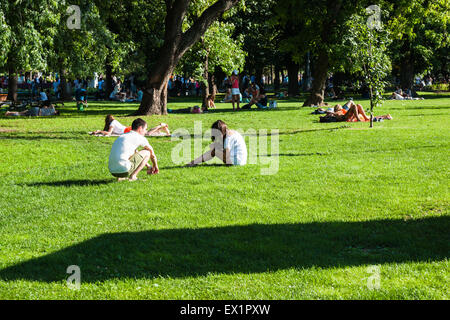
319	27
365	46
217	51
420	31
79	52
176	43
29	27
260	37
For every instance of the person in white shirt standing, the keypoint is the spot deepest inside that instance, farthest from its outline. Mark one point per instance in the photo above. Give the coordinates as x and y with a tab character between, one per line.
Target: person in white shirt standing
229	146
125	161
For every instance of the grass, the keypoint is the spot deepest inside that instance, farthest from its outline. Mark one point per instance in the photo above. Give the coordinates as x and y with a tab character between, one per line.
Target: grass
345	198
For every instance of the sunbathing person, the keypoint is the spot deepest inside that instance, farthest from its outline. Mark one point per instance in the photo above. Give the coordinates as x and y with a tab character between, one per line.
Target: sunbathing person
354	113
228	145
404	96
35	112
194	109
114	127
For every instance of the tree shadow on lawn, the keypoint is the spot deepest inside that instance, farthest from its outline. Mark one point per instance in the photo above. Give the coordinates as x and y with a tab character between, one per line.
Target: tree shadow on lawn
420	108
39	137
256	248
71	183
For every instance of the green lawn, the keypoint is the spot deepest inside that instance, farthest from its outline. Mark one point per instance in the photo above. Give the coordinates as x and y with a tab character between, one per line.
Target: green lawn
345	198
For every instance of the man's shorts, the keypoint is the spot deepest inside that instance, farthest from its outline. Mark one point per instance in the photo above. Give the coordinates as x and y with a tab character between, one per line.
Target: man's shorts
136	160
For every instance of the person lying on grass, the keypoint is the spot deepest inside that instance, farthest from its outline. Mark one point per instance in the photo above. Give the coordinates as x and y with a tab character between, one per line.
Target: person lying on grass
351	113
35	112
125	162
194	109
228	145
114	127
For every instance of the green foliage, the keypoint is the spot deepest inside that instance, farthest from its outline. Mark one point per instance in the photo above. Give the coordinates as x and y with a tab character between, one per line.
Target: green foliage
29	29
5	34
420	32
80	52
260	36
366	53
223	52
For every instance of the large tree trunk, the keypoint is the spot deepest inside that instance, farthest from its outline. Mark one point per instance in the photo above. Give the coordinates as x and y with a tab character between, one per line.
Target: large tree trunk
319	81
293	68
406	66
12	85
276	80
321	65
156	99
307	76
176	43
258	75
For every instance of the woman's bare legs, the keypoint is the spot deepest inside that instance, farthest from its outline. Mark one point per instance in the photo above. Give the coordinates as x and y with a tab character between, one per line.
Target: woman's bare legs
215	151
235	98
162	127
362	113
351	114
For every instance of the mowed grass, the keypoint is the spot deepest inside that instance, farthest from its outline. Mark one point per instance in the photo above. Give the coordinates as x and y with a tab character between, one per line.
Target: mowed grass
345	198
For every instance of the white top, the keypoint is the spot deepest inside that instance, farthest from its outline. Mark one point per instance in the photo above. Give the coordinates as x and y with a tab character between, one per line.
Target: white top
235	143
118	128
398	97
123	148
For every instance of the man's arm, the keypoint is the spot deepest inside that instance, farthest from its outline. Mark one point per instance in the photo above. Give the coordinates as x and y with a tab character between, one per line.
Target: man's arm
153	159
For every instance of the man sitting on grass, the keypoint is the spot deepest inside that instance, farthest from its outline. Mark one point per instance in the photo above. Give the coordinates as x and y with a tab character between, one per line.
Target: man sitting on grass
125	162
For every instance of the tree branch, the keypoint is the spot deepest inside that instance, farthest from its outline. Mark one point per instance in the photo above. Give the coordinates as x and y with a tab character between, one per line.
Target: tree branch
193	34
174	18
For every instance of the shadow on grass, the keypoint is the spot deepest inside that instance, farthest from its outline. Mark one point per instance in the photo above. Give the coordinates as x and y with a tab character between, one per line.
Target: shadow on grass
204	165
71	183
420	108
295	154
253	248
38	137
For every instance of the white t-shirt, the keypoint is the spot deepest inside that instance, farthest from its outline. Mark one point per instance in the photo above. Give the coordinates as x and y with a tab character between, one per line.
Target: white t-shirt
398	97
118	128
238	150
123	148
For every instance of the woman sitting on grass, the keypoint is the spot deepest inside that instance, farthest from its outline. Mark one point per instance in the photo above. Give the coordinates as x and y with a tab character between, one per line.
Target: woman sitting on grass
210	102
114	127
228	97
228	145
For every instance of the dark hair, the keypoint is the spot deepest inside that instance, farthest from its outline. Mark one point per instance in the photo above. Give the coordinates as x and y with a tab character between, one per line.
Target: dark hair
221	127
137	124
109	118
